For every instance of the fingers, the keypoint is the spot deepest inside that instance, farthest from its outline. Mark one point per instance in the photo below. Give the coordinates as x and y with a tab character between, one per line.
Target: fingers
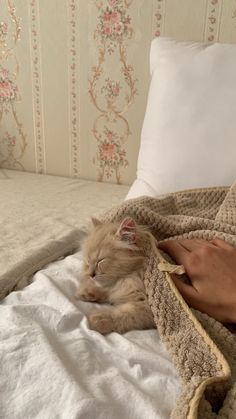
189	293
222	244
175	250
192	244
179	249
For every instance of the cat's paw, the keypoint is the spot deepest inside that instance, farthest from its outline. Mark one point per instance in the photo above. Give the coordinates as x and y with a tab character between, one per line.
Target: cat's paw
86	295
102	322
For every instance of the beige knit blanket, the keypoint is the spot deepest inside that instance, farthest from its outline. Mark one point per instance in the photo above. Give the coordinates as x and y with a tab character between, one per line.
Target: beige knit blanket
202	349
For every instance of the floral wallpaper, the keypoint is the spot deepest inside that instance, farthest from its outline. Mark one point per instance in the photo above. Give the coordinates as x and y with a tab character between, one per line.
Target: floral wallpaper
112	97
74	78
13	138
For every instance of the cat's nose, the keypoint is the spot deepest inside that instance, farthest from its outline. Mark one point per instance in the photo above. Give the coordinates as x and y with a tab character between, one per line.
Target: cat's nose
92	274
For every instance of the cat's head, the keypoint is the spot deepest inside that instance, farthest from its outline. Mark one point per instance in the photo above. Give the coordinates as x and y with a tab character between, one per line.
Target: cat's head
111	251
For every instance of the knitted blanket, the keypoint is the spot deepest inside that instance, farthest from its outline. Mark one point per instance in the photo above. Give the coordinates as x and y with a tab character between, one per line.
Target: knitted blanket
202	349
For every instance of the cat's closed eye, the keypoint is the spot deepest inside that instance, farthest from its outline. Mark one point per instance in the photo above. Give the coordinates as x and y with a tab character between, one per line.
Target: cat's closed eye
101	265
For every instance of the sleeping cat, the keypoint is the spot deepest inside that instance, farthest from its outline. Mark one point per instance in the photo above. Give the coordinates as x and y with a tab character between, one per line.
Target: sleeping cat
113	274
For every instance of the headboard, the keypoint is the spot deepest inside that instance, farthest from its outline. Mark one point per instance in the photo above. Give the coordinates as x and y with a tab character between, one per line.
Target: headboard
74	77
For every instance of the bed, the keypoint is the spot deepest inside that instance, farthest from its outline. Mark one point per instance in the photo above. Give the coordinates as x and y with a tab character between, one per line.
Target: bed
52	364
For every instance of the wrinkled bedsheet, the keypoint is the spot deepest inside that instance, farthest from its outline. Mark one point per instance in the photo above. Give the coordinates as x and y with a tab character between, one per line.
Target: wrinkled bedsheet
53	366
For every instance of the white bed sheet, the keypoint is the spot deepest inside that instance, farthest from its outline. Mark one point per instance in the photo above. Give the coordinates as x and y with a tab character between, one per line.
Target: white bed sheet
53	366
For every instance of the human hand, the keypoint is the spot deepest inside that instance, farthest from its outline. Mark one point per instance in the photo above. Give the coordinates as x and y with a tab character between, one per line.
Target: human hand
211	268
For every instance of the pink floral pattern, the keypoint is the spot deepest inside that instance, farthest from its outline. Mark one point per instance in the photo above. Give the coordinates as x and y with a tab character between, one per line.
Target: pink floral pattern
111	89
114	24
111	155
13	142
9	140
8	89
112	97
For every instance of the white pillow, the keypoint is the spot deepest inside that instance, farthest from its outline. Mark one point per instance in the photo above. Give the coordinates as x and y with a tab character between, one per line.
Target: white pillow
189	132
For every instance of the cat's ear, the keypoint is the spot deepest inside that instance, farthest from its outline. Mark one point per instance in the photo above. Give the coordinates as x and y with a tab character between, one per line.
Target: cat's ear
96	222
127	230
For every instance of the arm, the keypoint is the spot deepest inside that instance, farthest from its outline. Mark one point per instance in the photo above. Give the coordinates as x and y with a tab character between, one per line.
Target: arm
211	268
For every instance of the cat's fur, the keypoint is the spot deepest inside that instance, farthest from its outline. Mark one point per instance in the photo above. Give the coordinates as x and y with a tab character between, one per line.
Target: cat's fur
113	274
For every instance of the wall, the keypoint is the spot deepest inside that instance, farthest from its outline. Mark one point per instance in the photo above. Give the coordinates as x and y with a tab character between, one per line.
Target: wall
74	77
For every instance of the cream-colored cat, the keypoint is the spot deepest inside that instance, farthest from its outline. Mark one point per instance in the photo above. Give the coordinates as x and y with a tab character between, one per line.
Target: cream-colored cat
113	274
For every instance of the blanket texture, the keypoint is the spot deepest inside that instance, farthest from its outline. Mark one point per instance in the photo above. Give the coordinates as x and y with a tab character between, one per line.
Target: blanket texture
202	349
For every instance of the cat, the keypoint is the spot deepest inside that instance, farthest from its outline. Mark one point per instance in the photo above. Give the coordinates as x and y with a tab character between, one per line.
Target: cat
113	264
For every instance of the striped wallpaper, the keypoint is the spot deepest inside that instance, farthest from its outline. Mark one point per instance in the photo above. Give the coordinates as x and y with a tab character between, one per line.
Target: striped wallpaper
74	77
